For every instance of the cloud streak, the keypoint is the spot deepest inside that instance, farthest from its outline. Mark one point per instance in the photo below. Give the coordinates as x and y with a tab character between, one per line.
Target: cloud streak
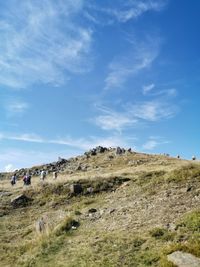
133	114
153	142
81	143
122	11
140	57
41	43
15	107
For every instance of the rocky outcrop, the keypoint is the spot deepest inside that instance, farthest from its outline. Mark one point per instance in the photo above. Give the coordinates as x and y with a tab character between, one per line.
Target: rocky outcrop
71	165
20	201
95	151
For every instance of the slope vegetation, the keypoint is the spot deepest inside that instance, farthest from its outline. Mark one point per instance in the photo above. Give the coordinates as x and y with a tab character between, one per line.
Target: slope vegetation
106	209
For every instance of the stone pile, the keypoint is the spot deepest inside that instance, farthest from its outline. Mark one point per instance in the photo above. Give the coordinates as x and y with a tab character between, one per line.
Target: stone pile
72	165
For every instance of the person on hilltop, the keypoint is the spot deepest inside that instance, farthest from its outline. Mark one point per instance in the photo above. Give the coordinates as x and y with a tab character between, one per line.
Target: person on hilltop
13	179
42	175
27	179
55	175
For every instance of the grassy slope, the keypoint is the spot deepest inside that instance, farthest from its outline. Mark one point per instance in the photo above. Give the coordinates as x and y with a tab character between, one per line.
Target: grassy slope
136	224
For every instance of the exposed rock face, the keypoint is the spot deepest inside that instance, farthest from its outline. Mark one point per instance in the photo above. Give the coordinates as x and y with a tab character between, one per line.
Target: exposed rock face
95	151
20	201
182	259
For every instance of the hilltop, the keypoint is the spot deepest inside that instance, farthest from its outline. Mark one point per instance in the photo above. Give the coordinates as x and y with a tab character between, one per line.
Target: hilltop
108	207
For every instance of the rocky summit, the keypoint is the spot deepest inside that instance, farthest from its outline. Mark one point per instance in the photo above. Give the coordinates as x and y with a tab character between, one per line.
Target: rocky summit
107	207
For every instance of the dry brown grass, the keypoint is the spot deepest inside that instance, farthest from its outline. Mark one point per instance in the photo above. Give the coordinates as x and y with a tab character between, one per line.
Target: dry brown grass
120	232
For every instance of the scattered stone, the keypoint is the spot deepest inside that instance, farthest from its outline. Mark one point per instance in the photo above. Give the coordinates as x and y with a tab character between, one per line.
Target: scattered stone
92	210
20	201
90	190
183	259
189	188
111	211
171	226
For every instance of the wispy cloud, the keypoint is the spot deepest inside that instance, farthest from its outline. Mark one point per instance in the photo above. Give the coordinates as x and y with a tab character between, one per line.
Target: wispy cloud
167	93
113	120
133	114
41	43
123	11
154	110
141	55
81	143
12	159
9	168
15	107
148	88
153	142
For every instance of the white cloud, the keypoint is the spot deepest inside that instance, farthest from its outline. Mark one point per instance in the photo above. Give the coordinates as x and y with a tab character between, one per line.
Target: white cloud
141	56
133	114
148	88
41	43
153	110
12	159
9	168
123	11
16	107
112	120
81	143
136	9
152	143
167	93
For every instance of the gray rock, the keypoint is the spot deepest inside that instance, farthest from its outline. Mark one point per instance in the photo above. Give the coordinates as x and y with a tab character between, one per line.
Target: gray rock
90	190
20	201
92	210
76	189
183	259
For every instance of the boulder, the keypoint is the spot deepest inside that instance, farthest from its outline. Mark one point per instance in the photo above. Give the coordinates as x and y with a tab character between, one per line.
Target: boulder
183	259
76	189
100	149
20	201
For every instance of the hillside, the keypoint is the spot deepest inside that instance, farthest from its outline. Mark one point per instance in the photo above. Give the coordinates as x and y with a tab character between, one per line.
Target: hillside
108	207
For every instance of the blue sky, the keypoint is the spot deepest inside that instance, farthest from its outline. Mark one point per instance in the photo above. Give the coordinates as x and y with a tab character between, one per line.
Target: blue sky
75	74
